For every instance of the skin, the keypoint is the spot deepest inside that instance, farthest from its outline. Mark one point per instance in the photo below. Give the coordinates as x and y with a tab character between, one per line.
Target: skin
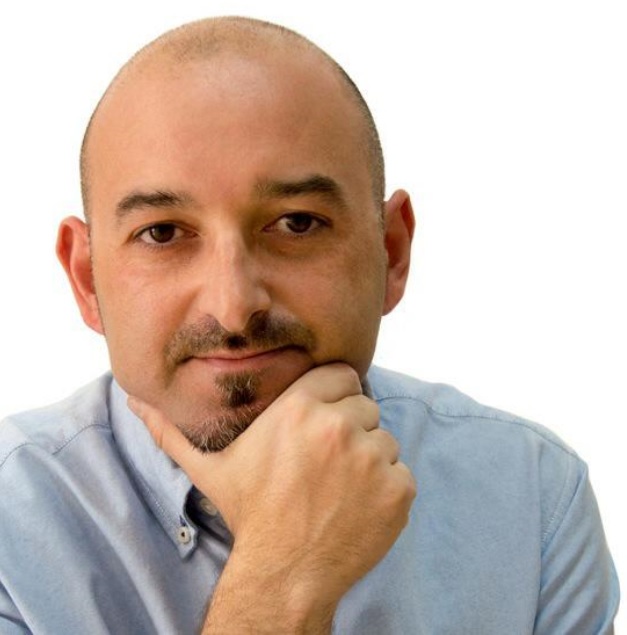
227	193
314	494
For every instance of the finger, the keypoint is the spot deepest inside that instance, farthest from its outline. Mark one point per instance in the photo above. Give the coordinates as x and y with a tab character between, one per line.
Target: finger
358	410
386	443
172	441
327	383
406	479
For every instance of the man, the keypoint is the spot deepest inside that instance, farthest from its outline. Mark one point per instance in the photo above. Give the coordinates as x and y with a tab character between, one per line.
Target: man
243	469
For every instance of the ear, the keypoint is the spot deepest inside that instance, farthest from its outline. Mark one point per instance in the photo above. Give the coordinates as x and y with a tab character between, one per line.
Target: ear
399	231
74	253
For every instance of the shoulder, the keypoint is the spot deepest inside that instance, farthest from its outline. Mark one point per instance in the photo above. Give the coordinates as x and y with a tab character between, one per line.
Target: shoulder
497	492
54	462
444	406
480	453
50	430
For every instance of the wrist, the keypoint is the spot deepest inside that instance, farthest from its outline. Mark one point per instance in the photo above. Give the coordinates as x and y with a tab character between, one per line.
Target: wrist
268	597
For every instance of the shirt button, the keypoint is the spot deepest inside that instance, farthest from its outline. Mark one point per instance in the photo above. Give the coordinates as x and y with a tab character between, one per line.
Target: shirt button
184	535
208	507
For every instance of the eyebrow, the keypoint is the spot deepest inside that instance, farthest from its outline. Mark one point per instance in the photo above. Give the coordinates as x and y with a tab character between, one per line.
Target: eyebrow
317	184
159	199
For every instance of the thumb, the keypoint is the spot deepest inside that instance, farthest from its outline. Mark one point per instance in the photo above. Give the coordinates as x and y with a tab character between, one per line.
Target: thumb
202	468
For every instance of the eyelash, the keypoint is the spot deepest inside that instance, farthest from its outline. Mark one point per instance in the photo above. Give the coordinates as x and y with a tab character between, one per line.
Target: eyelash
315	225
155	244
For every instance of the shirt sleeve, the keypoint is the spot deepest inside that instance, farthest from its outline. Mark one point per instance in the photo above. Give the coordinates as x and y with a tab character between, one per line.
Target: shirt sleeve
579	591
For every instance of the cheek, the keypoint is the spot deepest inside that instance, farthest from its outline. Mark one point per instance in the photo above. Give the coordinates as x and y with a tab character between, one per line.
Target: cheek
364	295
138	318
342	302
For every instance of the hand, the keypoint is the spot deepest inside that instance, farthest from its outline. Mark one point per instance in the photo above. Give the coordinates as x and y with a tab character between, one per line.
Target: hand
312	491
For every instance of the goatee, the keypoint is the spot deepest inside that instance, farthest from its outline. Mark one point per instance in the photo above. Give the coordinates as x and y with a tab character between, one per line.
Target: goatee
239	392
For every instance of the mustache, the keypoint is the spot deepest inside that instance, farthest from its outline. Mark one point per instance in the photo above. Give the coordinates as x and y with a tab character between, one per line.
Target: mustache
263	331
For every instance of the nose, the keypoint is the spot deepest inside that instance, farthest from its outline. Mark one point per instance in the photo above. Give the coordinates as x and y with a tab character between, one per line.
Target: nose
232	286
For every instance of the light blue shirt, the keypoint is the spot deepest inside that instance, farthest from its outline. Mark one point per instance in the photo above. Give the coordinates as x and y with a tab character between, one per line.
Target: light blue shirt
100	532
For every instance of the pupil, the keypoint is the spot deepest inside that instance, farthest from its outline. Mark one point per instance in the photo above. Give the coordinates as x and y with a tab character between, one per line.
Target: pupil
162	233
299	223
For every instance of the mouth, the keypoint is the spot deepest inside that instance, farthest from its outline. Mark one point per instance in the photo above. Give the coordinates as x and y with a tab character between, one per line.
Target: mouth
243	360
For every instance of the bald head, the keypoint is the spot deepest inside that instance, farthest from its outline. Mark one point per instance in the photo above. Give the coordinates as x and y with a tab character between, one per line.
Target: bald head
211	39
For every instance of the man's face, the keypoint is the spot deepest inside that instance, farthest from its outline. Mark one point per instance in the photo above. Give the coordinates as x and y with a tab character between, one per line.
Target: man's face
234	238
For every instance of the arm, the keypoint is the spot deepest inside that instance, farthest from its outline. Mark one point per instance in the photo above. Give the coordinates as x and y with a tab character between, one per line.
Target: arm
579	587
313	494
263	602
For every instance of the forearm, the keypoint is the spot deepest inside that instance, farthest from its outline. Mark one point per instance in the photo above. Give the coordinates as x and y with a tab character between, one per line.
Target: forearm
314	495
264	599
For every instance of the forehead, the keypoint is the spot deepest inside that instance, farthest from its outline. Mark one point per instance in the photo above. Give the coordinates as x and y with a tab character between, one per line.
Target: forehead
226	121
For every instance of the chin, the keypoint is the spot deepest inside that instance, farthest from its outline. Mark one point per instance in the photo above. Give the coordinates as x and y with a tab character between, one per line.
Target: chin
215	432
230	403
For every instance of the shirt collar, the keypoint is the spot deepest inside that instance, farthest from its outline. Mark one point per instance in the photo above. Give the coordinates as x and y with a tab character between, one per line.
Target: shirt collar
163	484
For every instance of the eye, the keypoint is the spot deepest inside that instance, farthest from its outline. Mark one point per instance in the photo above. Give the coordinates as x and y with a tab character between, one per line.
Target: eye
298	223
160	234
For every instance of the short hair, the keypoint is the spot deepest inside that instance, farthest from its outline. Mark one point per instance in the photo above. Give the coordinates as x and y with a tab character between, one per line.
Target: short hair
203	39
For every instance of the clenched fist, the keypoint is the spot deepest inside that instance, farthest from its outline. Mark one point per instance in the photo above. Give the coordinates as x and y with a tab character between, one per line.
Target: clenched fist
314	495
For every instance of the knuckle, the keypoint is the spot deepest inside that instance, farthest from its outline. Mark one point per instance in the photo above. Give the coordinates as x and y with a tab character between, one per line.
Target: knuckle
405	488
352	378
368	459
395	445
411	487
347	375
372	410
298	406
336	430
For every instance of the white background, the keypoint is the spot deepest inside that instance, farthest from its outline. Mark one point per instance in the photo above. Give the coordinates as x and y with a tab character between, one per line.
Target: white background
506	120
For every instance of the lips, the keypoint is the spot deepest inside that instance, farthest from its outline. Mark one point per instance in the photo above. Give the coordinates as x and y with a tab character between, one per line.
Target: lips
265	334
243	360
240	355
